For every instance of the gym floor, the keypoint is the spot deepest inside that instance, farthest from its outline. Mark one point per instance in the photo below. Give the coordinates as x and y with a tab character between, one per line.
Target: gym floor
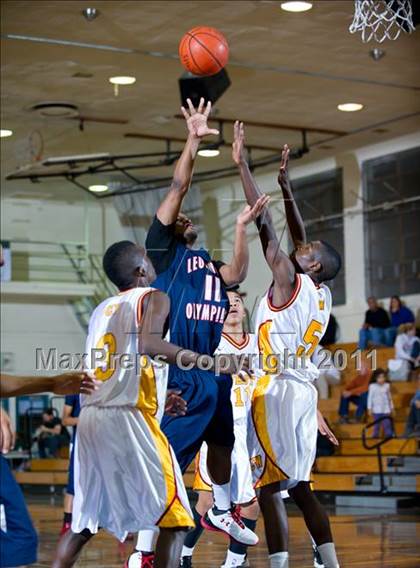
374	539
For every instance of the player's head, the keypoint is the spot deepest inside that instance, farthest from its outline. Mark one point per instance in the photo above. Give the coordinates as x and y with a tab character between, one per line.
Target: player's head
318	259
236	313
127	265
185	230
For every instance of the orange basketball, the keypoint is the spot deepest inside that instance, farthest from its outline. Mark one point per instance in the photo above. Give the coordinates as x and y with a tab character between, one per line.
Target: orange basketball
203	51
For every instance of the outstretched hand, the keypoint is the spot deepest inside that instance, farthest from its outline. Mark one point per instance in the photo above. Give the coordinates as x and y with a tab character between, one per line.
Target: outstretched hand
252	213
74	383
325	430
197	119
238	151
284	165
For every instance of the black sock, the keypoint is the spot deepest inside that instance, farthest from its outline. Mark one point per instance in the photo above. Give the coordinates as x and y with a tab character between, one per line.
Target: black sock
193	536
67	518
236	546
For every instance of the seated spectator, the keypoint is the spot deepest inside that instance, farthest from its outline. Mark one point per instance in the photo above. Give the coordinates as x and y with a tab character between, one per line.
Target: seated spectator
379	403
413	421
52	435
400	314
376	326
328	374
407	353
356	391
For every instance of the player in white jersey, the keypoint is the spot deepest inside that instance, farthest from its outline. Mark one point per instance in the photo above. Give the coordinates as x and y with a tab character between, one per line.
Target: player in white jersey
126	475
291	320
235	341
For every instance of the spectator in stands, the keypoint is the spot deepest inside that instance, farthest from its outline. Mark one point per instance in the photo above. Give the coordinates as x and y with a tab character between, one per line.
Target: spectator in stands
51	435
413	421
356	391
328	374
407	353
375	327
380	403
400	315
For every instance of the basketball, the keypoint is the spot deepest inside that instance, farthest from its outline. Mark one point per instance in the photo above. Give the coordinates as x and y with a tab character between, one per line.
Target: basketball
203	51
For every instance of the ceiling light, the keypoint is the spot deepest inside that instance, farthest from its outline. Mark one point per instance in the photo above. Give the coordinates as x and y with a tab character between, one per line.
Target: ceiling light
208	153
4	133
123	80
350	107
296	6
98	188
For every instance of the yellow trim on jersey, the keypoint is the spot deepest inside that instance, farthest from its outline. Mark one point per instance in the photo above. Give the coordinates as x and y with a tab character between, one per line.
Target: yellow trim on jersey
272	471
235	343
175	514
199	484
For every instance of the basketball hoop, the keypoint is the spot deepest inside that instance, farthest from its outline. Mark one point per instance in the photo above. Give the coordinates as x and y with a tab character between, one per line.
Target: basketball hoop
382	19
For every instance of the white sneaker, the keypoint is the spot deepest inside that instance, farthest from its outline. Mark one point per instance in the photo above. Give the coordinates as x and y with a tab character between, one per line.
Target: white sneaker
231	524
136	560
245	564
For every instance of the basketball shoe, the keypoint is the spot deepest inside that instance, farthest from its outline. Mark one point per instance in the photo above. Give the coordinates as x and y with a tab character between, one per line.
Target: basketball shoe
231	524
139	560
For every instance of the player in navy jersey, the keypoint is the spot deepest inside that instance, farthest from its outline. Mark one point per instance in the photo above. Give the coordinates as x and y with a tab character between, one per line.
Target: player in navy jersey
196	286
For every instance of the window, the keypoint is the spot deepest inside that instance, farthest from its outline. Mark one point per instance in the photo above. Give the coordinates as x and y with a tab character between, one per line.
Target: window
391	218
320	199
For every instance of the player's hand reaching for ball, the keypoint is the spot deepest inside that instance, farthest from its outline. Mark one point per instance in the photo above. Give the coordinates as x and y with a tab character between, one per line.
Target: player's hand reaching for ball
238	144
252	213
197	119
283	177
74	383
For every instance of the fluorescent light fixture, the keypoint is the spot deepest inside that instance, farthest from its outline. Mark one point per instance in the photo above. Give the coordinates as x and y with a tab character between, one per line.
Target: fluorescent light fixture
55	160
123	80
4	133
98	188
208	153
296	6
350	107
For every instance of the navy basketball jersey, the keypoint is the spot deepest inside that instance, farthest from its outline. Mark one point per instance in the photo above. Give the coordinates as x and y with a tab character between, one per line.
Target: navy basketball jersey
199	303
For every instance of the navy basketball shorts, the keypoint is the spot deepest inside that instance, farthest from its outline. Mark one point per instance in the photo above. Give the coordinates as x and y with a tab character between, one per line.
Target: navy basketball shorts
18	539
70	479
209	415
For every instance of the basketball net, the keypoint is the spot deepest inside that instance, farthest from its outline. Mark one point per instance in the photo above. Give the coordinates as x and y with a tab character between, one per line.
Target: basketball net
382	19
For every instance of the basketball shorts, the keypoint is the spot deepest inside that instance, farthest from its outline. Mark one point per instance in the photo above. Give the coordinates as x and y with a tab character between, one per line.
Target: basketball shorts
126	476
18	539
242	490
283	430
209	416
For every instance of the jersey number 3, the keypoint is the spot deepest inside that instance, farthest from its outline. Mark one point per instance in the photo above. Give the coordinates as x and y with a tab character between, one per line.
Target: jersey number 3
311	339
107	344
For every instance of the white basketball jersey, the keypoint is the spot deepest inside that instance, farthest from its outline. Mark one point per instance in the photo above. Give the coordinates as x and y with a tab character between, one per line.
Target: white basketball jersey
128	378
243	384
289	334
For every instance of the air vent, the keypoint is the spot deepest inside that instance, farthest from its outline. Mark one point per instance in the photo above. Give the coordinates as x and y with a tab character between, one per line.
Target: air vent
55	109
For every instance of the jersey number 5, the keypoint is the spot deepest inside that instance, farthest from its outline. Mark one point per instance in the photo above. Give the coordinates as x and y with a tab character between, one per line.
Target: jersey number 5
311	339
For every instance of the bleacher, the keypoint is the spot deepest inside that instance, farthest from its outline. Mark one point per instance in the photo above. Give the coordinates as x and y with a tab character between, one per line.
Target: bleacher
352	468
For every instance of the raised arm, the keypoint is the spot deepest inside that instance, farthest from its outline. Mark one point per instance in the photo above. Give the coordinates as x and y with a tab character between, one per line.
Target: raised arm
280	264
235	272
181	181
293	216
